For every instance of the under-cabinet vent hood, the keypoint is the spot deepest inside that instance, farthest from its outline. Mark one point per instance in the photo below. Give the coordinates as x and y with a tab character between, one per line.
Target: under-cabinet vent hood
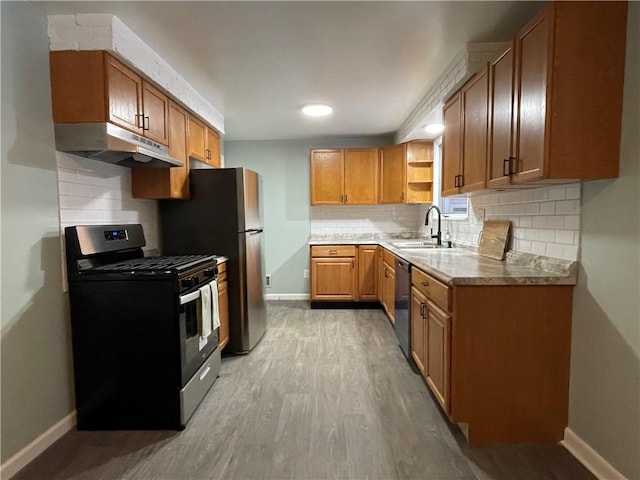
109	143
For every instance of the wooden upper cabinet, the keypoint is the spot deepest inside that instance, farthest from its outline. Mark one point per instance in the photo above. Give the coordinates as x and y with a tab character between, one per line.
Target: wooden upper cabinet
419	172
393	173
344	176
197	139
532	45
464	151
93	87
124	96
360	176
166	183
500	144
452	145
155	108
474	133
326	177
213	148
566	111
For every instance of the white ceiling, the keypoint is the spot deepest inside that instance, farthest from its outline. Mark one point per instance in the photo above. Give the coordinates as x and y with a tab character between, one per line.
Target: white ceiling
259	62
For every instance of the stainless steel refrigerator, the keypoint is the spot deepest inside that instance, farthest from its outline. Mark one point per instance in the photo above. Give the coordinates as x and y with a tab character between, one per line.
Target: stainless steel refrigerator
224	217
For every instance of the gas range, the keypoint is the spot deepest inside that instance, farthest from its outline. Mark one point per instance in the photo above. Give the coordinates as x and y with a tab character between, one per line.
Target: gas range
140	361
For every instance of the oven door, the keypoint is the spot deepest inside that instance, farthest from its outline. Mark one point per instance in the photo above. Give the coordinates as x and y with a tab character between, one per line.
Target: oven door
194	350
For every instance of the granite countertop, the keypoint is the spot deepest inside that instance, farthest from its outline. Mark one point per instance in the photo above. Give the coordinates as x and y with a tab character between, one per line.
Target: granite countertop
463	266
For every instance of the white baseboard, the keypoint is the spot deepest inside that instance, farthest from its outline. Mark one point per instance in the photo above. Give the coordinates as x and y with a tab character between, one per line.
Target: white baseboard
591	459
36	447
287	296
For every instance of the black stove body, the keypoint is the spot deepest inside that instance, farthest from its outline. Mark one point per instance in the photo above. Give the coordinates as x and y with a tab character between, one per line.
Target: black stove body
139	361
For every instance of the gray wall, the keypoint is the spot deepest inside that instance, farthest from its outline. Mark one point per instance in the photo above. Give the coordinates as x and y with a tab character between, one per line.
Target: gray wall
605	363
284	165
36	359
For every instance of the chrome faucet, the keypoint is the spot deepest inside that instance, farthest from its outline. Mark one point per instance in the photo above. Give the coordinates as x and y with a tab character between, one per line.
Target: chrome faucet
438	235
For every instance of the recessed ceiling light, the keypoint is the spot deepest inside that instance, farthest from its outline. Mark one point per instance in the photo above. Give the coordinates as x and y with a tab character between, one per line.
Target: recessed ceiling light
317	110
434	128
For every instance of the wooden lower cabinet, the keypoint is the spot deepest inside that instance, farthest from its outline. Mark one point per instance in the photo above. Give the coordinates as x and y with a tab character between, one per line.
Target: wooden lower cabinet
223	306
367	272
334	273
438	361
389	291
418	329
496	357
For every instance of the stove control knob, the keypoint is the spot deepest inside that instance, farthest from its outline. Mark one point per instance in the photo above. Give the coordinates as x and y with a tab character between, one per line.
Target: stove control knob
189	282
211	272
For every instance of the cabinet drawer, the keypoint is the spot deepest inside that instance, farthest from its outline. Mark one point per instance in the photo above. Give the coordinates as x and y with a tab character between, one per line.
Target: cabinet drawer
333	251
390	258
435	291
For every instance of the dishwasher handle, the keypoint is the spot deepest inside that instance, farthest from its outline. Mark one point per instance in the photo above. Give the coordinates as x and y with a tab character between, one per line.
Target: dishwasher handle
402	265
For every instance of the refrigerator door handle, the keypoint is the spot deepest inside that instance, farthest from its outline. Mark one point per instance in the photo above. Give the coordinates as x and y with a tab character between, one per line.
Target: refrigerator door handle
254	231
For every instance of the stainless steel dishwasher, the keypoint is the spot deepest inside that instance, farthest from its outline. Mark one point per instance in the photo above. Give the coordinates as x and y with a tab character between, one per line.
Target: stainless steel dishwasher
402	301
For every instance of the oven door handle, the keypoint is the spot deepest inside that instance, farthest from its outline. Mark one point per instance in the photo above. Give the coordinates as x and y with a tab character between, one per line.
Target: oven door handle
190	297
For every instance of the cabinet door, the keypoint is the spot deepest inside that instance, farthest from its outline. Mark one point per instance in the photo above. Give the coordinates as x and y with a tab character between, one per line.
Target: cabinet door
155	108
361	176
380	274
213	148
197	139
333	278
389	292
418	329
392	174
178	125
532	46
451	145
125	96
500	131
327	184
438	345
161	183
367	272
475	102
223	308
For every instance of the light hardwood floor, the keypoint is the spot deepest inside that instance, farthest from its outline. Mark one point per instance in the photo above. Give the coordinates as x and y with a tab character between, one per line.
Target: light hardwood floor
325	394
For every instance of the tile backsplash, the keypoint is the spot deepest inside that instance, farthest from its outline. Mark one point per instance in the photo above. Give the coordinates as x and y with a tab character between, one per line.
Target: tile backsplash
329	219
92	192
544	221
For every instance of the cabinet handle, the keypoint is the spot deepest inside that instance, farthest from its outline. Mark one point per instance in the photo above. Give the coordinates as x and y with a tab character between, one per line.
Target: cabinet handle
140	116
422	305
512	161
333	252
208	154
353	264
345	198
461	182
424	284
506	165
145	122
455	181
402	196
386	273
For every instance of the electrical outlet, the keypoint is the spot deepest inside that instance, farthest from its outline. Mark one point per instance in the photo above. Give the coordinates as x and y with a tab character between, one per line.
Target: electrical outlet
305	273
268	280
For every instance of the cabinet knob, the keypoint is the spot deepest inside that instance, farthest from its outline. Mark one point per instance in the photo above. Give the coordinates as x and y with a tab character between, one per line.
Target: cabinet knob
424	284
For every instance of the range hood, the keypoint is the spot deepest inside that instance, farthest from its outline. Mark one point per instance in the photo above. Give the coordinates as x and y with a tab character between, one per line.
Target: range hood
111	144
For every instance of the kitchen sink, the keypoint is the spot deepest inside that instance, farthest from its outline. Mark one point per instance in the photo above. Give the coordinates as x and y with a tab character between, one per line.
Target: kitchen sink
415	244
